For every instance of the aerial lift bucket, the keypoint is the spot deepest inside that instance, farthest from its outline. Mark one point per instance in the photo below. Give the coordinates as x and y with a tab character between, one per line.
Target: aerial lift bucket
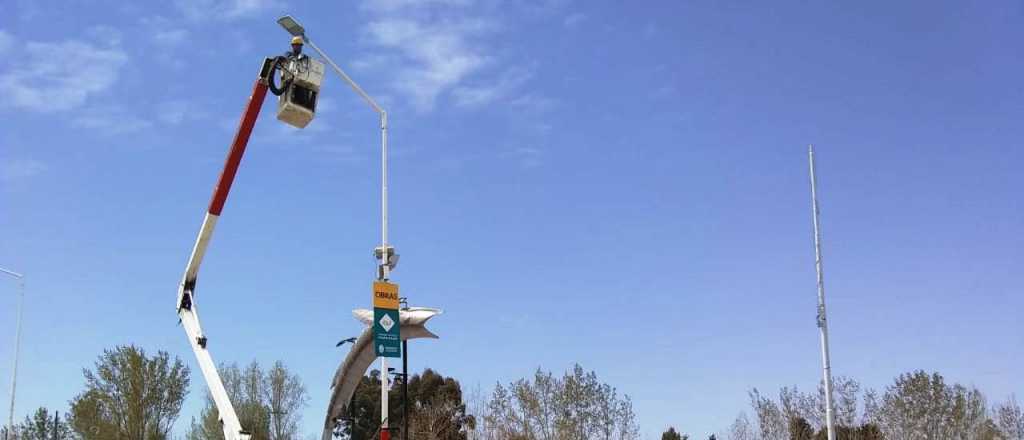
297	105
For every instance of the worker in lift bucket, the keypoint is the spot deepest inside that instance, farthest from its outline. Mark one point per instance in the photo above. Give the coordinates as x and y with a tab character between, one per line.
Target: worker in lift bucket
296	52
289	63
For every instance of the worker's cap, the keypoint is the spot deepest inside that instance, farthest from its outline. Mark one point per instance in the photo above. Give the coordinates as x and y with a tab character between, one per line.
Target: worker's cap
296	40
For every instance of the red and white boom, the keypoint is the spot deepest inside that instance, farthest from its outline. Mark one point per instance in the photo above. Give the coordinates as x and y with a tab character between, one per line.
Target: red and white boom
186	291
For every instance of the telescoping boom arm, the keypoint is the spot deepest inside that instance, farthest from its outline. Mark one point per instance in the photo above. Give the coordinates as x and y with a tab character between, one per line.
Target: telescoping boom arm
186	291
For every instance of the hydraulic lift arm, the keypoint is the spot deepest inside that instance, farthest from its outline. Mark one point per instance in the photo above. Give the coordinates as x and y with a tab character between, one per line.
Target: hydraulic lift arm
186	303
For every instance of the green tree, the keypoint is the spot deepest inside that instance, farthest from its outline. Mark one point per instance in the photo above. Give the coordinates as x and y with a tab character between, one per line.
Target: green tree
437	410
41	426
130	396
575	406
268	403
671	434
1010	419
799	429
922	405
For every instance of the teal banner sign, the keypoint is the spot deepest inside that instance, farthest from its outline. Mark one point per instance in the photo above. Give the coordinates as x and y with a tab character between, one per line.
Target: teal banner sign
387	341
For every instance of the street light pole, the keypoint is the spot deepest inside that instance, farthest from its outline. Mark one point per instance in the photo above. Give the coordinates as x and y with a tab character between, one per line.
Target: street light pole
293	27
405	381
17	344
826	362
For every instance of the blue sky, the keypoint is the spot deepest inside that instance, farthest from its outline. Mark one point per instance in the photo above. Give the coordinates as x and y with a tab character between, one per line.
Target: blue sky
620	186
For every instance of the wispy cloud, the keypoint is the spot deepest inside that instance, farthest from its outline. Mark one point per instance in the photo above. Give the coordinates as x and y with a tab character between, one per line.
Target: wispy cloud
488	91
574	19
394	5
165	32
666	91
533	103
110	120
437	44
439	55
529	157
49	77
650	30
6	41
206	10
18	169
176	111
344	153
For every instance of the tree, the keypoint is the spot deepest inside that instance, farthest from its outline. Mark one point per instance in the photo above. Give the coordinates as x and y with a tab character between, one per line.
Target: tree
671	434
922	405
43	427
1010	419
436	408
771	421
799	429
576	406
741	429
130	396
285	395
267	403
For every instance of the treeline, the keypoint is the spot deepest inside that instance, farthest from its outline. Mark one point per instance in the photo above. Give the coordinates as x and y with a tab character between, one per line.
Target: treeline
573	406
916	406
129	395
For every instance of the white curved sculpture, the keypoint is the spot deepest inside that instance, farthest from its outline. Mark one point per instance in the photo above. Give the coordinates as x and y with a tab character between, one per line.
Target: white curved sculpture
413	322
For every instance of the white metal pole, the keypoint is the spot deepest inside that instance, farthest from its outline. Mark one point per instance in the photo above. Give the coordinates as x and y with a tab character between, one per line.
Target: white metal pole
384	396
17	346
822	320
383	205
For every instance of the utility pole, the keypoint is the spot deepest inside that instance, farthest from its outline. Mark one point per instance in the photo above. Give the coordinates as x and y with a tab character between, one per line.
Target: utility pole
293	27
17	348
405	382
822	320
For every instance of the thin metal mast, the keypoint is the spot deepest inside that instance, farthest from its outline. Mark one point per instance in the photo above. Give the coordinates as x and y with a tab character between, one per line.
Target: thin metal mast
17	343
822	320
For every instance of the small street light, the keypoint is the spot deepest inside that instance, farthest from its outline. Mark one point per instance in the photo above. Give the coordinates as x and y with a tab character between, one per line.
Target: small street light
293	27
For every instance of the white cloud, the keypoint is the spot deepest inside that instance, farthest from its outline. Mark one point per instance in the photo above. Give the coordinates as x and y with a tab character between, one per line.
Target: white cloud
394	5
574	19
437	44
104	35
534	103
6	41
345	153
206	10
109	120
49	77
17	169
492	90
170	37
650	30
528	157
662	92
176	111
163	31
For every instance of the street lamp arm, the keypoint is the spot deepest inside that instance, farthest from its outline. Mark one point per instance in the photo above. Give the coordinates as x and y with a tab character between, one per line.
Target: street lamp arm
376	107
12	273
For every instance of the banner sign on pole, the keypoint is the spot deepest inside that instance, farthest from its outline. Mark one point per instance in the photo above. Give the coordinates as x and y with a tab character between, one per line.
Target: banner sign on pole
387	340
